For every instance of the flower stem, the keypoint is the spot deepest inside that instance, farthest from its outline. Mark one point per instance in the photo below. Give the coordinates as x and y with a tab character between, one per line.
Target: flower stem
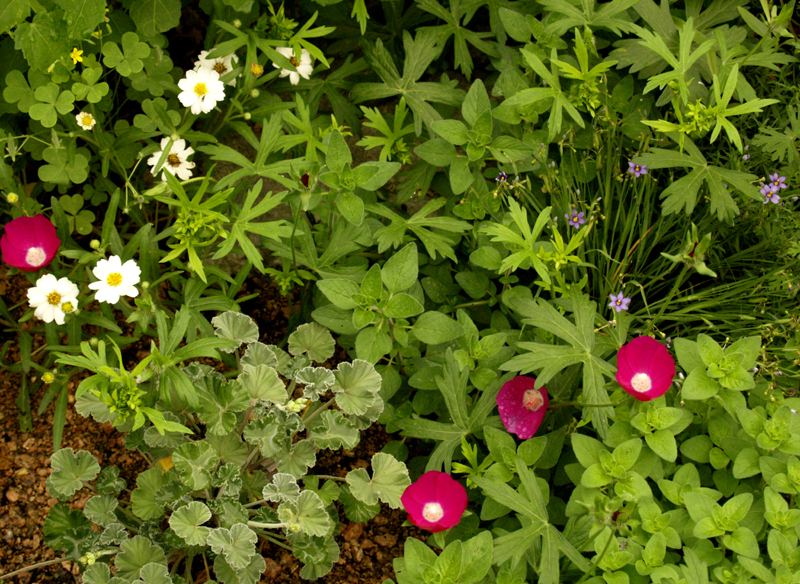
678	282
597	561
34	567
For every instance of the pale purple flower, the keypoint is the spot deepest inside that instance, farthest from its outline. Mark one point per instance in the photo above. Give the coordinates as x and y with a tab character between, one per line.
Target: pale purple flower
746	157
637	170
576	219
502	177
619	302
778	182
770	191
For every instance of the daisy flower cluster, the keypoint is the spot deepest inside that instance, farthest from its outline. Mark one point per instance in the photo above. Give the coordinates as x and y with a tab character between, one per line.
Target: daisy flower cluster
771	189
202	89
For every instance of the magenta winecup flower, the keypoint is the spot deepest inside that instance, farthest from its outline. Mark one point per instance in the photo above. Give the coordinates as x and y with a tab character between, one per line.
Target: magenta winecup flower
522	407
435	502
645	368
29	243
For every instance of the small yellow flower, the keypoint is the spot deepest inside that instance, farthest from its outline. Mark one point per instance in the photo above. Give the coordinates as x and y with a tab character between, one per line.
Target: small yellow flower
48	377
256	69
75	55
12	198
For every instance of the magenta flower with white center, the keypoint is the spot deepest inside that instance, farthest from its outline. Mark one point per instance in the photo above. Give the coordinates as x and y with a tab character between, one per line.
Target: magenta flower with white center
435	501
645	368
522	407
29	243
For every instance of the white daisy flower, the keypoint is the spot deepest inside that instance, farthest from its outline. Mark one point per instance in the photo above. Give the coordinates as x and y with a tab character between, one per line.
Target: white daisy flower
51	296
86	120
202	89
221	65
116	279
304	66
176	162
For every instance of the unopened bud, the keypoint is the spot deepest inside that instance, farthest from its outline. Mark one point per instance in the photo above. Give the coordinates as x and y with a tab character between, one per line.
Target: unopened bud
93	341
247	115
145	285
237	23
94	244
67	307
254	93
12	198
48	377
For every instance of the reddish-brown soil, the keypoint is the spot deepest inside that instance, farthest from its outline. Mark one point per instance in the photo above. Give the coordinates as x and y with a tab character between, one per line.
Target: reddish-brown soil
367	549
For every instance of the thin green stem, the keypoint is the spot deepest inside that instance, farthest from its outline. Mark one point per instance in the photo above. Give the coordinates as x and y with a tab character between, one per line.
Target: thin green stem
597	561
332	478
34	567
678	282
583	405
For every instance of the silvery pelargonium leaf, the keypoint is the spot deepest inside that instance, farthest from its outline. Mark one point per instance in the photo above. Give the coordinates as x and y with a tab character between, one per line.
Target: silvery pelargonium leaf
236	327
313	339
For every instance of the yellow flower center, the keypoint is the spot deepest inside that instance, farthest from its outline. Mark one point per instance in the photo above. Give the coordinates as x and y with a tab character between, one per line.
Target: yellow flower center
54	298
173	160
86	120
220	68
67	307
294	62
256	69
200	89
114	279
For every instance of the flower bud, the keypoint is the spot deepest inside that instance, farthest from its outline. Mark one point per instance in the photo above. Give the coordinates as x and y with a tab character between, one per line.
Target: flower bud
237	23
12	198
93	341
48	377
254	93
247	115
145	285
256	69
67	307
94	244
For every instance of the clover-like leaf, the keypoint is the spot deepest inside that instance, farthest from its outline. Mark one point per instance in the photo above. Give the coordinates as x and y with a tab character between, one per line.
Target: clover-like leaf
389	480
261	383
283	487
333	432
236	327
90	91
136	553
237	543
356	387
313	339
194	462
306	514
70	471
51	102
127	60
65	165
100	509
188	521
317	380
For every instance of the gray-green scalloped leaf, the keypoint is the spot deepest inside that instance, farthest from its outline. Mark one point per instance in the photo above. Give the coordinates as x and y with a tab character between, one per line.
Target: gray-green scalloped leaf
356	387
266	434
317	380
114	534
250	574
298	460
188	521
70	471
369	417
97	573
100	509
236	327
153	573
261	383
389	480
333	432
136	553
148	483
238	544
307	513
259	354
283	487
314	340
194	462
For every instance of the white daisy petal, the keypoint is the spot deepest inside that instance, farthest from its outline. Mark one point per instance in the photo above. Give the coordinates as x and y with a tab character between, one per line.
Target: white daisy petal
48	296
120	280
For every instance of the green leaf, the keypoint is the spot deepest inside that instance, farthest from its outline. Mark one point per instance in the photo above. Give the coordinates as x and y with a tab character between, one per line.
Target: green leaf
372	344
298	459
187	522
70	471
453	131
317	380
333	432
743	542
389	480
434	328
194	461
314	340
237	543
436	152
13	13
699	386
250	574
127	60
136	553
356	387
351	207
746	464
400	271
100	509
154	16
662	442
402	305
236	327
43	41
148	483
307	513
263	384
355	510
83	16
338	153
283	487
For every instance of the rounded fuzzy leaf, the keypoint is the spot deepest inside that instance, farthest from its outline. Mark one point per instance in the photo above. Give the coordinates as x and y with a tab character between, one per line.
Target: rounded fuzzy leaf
237	543
313	339
70	470
153	573
356	387
188	520
100	509
333	432
298	460
317	380
307	513
261	382
136	553
194	461
236	327
389	480
283	487
143	502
